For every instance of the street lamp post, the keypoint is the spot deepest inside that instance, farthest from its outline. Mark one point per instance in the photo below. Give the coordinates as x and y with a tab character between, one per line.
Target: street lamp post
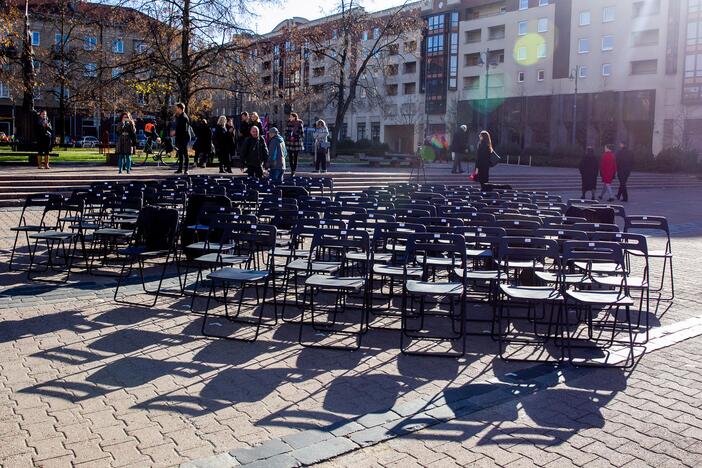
575	74
486	61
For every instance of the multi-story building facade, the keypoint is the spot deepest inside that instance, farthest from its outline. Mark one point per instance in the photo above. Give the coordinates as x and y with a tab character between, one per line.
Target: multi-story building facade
533	72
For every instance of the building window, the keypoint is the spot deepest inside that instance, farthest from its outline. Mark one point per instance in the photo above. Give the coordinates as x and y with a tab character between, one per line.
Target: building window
318	71
375	132
647	8
606	69
409	67
582	71
543	2
116	73
644	38
520	77
410	88
391	90
542	25
376	33
584	18
89	43
435	44
521	53
140	47
644	67
36	38
392	70
541	51
471	82
607	43
583	45
90	70
608	14
61	41
523	28
360	131
4	91
436	23
393	49
364	36
540	75
410	46
523	4
118	46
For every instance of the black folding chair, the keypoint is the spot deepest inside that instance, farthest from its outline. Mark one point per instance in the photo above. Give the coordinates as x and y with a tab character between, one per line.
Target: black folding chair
657	224
47	201
154	239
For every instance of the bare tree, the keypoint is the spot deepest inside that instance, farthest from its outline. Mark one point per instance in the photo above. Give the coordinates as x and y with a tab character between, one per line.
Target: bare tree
354	63
198	46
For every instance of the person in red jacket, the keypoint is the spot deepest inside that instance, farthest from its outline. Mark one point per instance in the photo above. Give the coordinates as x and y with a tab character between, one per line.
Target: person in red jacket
608	169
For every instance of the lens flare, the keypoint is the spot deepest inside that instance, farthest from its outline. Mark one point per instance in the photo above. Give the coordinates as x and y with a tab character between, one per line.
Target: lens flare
527	48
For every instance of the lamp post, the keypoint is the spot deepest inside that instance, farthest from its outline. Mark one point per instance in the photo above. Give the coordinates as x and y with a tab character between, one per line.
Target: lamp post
486	61
574	75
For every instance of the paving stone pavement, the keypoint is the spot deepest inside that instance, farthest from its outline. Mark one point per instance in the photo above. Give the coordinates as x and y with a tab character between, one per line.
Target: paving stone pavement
87	382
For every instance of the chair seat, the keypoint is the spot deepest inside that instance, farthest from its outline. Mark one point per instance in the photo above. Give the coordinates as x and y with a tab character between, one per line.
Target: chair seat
238	275
439	261
302	264
602	267
531	293
636	282
478	275
33	228
335	282
53	236
569	278
209	246
292	253
660	254
382	257
111	232
136	250
222	259
357	256
198	227
397	270
435	289
86	225
522	265
600	298
479	253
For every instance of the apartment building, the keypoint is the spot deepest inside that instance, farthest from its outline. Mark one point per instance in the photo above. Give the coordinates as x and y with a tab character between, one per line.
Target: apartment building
91	40
388	107
518	62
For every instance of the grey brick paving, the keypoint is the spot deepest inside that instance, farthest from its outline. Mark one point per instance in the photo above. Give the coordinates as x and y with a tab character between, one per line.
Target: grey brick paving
85	382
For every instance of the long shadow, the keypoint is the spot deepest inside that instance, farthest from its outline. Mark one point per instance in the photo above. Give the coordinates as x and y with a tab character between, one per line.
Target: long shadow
73	320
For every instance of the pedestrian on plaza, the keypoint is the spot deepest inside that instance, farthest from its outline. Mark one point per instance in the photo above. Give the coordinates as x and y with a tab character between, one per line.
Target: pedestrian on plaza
589	168
608	169
254	153
321	146
223	145
232	142
256	122
203	143
459	149
277	154
126	142
625	164
105	142
182	137
151	136
482	163
45	140
294	140
244	131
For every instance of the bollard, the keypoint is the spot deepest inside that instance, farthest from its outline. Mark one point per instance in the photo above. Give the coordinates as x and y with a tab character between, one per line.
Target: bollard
529	160
508	159
519	160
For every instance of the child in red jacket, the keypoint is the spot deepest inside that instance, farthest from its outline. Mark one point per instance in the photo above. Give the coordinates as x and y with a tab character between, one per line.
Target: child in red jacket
608	169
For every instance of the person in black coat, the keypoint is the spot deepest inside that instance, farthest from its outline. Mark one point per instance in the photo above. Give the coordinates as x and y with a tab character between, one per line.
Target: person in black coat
182	137
254	153
223	145
244	131
482	163
45	140
589	170
625	164
459	148
203	143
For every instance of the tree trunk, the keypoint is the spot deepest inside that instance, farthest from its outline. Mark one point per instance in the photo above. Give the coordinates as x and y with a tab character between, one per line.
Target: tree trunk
25	132
184	79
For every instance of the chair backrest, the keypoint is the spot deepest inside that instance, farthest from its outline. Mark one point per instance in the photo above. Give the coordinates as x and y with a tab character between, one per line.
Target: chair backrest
646	223
156	228
422	247
535	250
441	221
562	234
334	244
590	253
596	227
629	241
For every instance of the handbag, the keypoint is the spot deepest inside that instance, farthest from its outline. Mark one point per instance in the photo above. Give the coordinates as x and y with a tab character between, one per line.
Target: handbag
495	159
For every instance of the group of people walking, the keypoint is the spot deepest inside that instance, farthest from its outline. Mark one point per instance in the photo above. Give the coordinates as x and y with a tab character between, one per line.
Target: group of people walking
255	148
609	166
